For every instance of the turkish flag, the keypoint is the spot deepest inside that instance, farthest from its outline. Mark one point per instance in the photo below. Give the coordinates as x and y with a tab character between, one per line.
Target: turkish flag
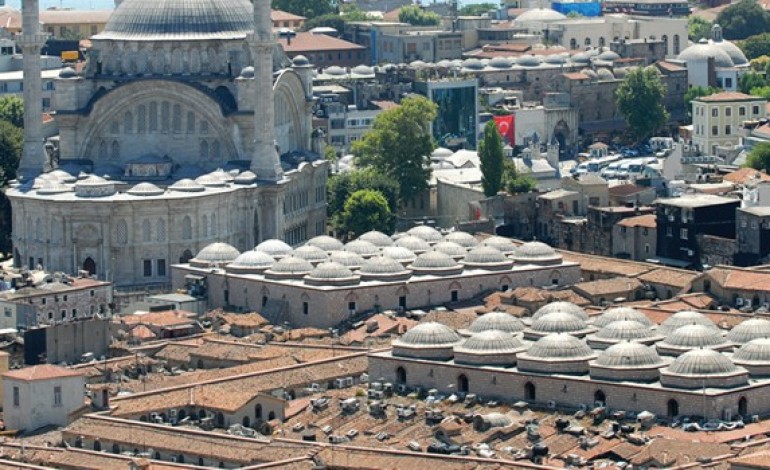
507	128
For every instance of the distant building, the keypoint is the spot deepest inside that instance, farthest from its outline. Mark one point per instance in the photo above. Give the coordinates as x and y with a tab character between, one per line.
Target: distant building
635	238
323	51
717	119
458	110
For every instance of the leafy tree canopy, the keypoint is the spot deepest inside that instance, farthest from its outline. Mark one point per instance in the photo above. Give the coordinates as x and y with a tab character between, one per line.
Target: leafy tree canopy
12	110
516	182
492	159
367	210
342	185
640	99
416	16
749	81
759	157
763	91
307	8
755	46
11	142
743	19
697	92
399	145
477	9
348	13
698	28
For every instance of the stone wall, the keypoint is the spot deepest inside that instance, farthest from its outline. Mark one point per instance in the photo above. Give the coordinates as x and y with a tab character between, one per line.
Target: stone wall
716	250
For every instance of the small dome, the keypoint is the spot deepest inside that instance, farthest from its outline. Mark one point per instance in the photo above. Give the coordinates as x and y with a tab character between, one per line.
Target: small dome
605	74
449	248
581	58
748	330
694	336
756	351
414	244
629	355
500	63
247	72
528	60
624	330
211	181
536	253
382	268
330	273
274	247
561	306
362	70
94	186
463	239
702	362
289	267
704	50
311	253
335	70
67	72
325	243
429	334
362	248
54	187
247	177
145	189
441	153
62	176
347	258
399	253
589	73
558	322
621	313
555	59
490	342
559	346
434	261
187	186
473	64
376	238
504	245
216	253
300	61
685	317
735	52
609	56
485	256
499	321
253	259
429	234
539	15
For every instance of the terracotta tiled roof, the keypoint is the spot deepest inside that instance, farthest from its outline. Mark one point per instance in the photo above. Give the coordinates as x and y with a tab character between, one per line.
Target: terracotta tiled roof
740	279
728	96
280	15
668	452
647	220
670	67
41	372
165	318
741	176
309	42
142	332
620	190
575	76
760	460
245	320
385	105
605	265
611	286
678	278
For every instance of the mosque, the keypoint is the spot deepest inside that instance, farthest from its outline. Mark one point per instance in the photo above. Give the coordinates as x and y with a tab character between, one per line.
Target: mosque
186	125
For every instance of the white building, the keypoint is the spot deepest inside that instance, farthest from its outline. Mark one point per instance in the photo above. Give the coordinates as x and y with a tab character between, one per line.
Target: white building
41	395
717	119
714	62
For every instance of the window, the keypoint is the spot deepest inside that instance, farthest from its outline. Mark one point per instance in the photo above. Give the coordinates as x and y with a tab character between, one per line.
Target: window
46	103
646	248
74	313
57	396
161	267
683	234
728	130
352	306
669	232
305	308
728	84
8	312
728	112
454	295
714	130
147	268
755	110
15	396
715	112
742	111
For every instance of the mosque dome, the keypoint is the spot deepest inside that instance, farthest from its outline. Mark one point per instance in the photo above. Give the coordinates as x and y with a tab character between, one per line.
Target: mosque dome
450	248
362	70
529	60
748	330
435	262
685	317
473	64
624	330
504	245
704	50
311	253
289	267
608	56
347	258
187	186
430	340
139	20
555	59
499	321
463	239
247	177
605	74
539	15
627	361
491	347
500	63
399	253
621	313
383	268
561	306
486	257
441	153
556	353
251	261
429	234
361	247
145	189
536	253
331	273
376	238
756	350
211	180
325	243
414	244
581	58
691	337
215	254
274	247
556	322
701	368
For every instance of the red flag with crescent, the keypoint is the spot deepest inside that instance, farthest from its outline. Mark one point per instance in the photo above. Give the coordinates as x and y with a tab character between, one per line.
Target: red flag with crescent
506	126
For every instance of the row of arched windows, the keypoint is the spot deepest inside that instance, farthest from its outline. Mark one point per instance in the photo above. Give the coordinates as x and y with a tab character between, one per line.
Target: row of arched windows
164	117
157	231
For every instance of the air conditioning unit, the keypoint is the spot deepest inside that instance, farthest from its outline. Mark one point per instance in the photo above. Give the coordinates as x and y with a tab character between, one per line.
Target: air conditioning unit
339	383
599	404
315	387
739	301
551	404
364	378
349	381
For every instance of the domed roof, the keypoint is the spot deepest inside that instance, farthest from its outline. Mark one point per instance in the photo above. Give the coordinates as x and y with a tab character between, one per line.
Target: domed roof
334	70
291	265
555	59
412	243
187	185
581	58
561	306
253	259
376	238
300	61
62	176
67	72
145	189
605	74
702	362
347	259
621	313
247	72
755	351
501	63
735	53
361	247
441	153
450	248
485	255
362	70
382	267
499	321
539	15
748	330
705	50
274	247
490	342
463	239
685	317
473	64
218	253
429	334
535	252
558	322
434	260
399	253
52	187
330	270
624	330
247	177
529	60
694	336
609	55
139	20
429	234
210	180
504	245
559	346
628	354
311	253
94	186
325	243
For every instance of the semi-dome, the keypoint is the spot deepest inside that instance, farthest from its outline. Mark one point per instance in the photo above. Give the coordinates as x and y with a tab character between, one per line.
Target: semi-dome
491	347
486	257
289	267
561	306
685	317
534	15
430	340
185	20
331	273
748	330
325	243
690	337
311	253
145	189
215	254
251	262
463	239
556	322
536	253
499	321
347	258
702	368
383	268
704	50
435	262
429	234
735	52
504	245
399	253
187	185
559	346
621	313
450	248
629	355
274	247
414	244
361	247
376	238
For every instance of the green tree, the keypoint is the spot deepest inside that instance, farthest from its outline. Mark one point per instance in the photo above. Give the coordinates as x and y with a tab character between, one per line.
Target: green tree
416	16
330	154
640	99
755	46
749	81
341	186
762	91
307	8
516	182
743	19
11	142
491	156
477	9
330	20
399	145
759	157
697	92
12	110
698	28
367	210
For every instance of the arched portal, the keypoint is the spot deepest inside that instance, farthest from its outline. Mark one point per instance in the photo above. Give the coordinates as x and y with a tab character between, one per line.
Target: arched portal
462	383
600	397
672	408
561	132
401	375
743	406
186	256
89	265
530	393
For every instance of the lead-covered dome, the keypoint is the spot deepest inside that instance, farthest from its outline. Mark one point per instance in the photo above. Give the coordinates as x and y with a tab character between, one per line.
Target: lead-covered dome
685	317
748	330
561	306
624	330
536	253
504	245
185	20
701	368
556	353
215	254
539	15
704	50
326	243
347	258
331	274
463	239
429	234
362	248
376	238
289	267
755	357
383	268
311	253
690	337
557	322
274	247
486	257
430	340
450	248
399	253
627	361
435	262
499	321
251	262
492	347
413	244
621	313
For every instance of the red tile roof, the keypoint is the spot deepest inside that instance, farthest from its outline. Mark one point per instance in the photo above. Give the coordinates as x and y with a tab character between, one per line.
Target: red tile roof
575	76
728	96
648	221
309	42
621	190
742	175
41	372
280	15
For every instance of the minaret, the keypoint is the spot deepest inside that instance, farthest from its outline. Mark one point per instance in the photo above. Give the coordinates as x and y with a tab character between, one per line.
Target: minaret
265	162
31	40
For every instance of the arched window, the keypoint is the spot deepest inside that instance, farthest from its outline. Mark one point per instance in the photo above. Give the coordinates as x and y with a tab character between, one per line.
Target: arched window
676	44
128	123
216	150
401	375
530	393
200	364
103	153
213	225
97	446
190	122
672	408
115	153
146	231
271	416
121	232
600	397
246	421
573	43
141	119
204	127
602	42
38	230
165	116
186	228
186	256
587	41
664	38
176	119
462	383
205	226
743	407
204	150
220	419
257	411
79	442
154	116
115	449
160	234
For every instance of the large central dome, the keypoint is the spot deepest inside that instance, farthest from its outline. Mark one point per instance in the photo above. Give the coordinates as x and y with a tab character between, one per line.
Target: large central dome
140	20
